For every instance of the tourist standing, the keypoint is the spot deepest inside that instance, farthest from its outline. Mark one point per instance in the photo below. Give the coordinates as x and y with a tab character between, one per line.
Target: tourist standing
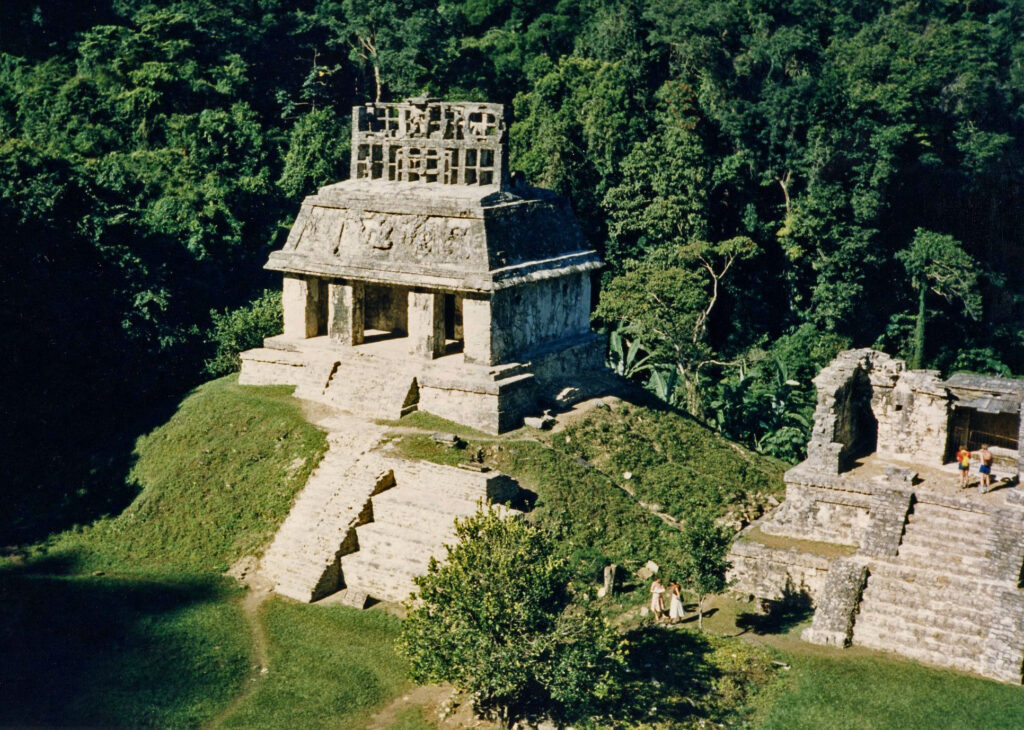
657	601
963	461
675	606
985	456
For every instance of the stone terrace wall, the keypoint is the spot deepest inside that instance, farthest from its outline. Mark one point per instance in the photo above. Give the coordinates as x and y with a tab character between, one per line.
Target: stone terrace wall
773	573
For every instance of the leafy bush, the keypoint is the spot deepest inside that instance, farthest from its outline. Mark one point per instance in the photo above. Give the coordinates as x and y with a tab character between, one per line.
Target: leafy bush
242	329
495	621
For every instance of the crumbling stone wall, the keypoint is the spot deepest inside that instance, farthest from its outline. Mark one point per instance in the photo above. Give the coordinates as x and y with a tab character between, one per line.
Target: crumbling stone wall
913	418
774	574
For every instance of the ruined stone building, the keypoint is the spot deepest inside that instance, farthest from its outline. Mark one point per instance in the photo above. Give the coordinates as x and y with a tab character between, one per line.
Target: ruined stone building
431	280
876	530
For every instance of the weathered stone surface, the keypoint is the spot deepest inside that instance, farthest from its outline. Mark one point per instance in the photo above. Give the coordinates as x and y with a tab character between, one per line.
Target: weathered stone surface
539	422
943	566
836	604
887	514
773	574
433	245
346	317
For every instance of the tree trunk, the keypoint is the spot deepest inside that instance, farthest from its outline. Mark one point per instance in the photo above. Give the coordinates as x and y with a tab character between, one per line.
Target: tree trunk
917	357
700	613
376	80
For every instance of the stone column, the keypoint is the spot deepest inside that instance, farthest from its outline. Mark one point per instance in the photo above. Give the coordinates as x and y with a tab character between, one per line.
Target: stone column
301	301
426	324
345	315
476	329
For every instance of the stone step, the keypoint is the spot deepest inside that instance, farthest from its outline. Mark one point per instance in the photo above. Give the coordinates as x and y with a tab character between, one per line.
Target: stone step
928	651
928	557
396	504
955	523
912	575
393	583
898	598
967	623
387	533
941	543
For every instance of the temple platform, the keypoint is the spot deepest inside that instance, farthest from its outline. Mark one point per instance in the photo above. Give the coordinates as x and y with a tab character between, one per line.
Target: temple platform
382	379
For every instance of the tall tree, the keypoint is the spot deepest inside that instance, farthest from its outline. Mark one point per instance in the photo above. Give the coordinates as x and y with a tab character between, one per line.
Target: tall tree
937	263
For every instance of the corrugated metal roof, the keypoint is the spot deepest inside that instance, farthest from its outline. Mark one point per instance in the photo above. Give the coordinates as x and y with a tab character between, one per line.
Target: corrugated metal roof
991	383
992	404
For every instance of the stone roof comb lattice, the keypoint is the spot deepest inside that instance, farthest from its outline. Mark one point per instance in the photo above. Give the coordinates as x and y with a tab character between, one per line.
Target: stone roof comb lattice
429	141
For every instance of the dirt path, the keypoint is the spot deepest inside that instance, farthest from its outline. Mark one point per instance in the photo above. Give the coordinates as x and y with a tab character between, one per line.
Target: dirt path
258	592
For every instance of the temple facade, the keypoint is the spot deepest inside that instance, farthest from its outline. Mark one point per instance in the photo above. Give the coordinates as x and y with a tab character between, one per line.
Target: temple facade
431	279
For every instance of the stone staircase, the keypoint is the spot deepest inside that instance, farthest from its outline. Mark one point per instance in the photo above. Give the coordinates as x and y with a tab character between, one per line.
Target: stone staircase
359	384
951	540
936	600
412	523
303	560
931	616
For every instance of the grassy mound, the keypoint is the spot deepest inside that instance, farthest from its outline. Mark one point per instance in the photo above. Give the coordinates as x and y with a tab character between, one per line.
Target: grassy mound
671	460
214	483
584	496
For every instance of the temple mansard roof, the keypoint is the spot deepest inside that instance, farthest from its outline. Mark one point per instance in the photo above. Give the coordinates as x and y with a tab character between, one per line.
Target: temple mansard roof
431	203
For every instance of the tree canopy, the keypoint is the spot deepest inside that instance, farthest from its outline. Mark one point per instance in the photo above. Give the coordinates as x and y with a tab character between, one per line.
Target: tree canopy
154	153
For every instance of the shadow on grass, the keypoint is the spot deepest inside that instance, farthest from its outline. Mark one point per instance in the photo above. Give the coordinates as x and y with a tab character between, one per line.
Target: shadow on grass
780	616
67	475
667	672
104	651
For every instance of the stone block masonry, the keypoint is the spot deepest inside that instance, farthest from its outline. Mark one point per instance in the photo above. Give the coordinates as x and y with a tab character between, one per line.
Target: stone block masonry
430	258
937	571
834	616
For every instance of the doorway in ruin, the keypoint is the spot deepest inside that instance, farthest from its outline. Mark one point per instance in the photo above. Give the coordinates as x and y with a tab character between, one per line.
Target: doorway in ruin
385	312
863	434
453	334
973	427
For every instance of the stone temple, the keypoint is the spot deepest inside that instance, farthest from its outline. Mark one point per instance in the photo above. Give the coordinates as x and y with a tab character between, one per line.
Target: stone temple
875	529
432	279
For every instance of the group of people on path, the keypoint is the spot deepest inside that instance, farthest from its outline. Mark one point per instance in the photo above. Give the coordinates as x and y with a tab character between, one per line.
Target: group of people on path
963	460
675	607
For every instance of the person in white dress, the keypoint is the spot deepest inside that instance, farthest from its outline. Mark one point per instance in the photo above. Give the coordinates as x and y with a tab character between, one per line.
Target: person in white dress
675	606
657	602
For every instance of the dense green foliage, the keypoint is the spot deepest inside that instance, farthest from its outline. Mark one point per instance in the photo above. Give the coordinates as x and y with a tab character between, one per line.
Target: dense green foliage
670	460
750	169
242	329
493	620
705	546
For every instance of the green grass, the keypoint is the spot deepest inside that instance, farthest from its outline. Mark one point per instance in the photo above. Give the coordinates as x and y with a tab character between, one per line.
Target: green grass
214	484
161	640
841	690
330	667
672	460
115	652
422	446
430	422
411	718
